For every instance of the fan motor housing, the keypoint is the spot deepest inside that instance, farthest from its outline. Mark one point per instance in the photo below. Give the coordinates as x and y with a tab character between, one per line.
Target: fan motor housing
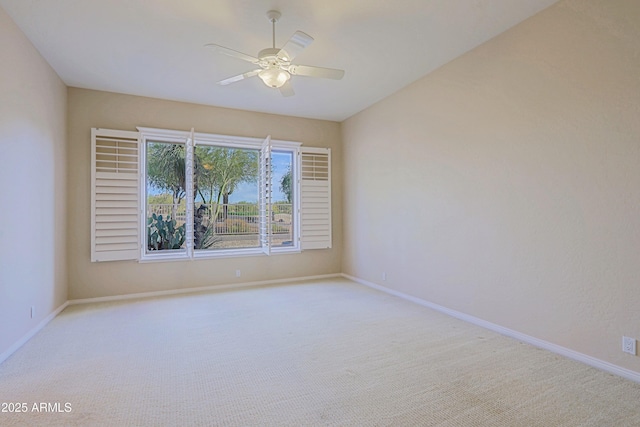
268	53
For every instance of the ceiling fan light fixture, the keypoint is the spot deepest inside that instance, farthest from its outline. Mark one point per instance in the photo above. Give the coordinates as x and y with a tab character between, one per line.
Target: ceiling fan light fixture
274	77
275	63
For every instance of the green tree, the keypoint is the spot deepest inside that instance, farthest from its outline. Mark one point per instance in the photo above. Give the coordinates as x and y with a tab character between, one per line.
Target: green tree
285	185
221	171
166	170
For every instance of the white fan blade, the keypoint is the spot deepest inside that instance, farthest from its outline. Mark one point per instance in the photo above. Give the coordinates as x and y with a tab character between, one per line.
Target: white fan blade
294	46
239	77
232	53
325	73
287	89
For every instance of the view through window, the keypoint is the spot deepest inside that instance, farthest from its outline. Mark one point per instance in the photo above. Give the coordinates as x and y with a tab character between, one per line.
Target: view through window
226	189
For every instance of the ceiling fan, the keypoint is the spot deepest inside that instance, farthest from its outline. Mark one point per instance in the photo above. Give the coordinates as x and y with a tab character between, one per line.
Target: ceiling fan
275	64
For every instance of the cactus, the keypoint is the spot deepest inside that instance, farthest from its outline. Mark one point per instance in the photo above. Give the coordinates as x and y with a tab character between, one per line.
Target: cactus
163	233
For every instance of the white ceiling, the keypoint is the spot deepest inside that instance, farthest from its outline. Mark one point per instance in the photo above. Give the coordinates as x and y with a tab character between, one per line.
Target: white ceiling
155	47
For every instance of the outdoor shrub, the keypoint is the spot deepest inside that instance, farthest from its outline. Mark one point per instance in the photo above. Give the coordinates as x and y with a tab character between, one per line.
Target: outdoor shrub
204	235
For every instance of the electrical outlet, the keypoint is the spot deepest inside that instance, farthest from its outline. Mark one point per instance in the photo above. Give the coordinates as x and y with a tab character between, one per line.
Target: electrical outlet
33	311
629	345
237	273
384	276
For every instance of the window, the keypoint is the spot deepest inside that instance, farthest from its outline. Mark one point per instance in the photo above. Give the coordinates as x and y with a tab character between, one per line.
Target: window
165	197
197	195
226	198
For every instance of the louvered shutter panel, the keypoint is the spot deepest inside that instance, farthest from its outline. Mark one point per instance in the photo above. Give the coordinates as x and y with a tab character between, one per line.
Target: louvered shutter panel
115	195
189	181
265	196
315	198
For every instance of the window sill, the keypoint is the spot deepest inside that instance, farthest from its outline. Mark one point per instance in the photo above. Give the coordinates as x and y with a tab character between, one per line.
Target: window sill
213	254
156	257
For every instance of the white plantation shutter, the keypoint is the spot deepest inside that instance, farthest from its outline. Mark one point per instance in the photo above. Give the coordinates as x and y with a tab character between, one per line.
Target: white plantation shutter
114	195
265	196
315	198
189	182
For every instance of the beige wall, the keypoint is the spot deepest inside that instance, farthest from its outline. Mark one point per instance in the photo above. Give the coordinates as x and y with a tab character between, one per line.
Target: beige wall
89	109
33	189
506	185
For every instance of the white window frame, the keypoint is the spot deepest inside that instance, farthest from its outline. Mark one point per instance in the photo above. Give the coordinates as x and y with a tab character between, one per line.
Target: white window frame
198	138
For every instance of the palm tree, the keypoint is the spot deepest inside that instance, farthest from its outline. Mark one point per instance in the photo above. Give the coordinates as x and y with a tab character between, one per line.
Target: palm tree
166	170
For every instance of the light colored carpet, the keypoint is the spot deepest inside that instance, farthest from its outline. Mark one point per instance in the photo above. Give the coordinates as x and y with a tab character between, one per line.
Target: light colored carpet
315	353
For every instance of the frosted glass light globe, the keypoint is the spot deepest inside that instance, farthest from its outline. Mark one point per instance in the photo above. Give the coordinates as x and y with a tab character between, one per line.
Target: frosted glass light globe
274	77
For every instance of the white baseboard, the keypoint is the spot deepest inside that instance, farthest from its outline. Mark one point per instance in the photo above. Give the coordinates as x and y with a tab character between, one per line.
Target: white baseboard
200	289
5	355
571	354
